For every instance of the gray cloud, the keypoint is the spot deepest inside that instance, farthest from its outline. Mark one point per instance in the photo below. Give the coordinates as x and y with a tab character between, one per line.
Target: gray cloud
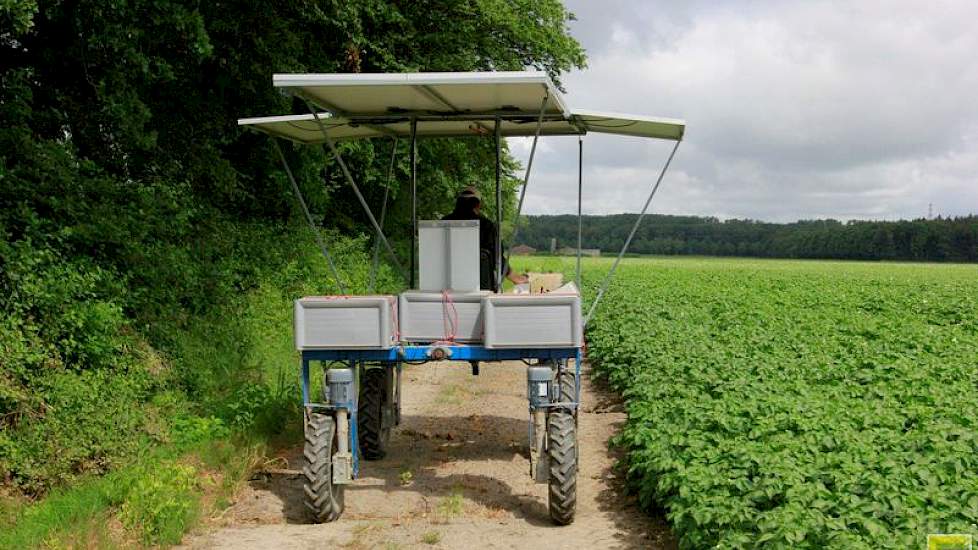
795	110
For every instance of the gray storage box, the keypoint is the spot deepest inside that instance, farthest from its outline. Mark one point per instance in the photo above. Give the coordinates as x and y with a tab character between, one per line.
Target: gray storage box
532	320
448	251
344	322
422	315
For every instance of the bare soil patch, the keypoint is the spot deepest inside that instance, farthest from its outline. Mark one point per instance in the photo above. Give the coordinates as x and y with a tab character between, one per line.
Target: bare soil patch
456	476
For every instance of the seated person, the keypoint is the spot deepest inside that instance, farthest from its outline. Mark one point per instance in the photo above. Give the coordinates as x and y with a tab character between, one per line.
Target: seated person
468	206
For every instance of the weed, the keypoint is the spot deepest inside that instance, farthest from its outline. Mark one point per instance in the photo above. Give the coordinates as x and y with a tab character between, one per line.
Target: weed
161	504
453	394
451	505
431	537
405	477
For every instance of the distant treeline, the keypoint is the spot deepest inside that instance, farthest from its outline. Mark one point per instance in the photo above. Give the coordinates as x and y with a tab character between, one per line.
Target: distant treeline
941	239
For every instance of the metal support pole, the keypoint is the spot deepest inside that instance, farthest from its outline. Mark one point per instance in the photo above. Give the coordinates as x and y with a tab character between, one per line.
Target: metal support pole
304	374
580	192
414	199
628	241
499	205
312	224
526	176
383	215
356	190
578	357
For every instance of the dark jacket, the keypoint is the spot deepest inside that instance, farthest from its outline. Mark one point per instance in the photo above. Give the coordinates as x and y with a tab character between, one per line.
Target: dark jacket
465	210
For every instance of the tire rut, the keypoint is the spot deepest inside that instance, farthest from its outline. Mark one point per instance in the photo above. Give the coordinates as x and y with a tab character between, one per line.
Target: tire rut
456	475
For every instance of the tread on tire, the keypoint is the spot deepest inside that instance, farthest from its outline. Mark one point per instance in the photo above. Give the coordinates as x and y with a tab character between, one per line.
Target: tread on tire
562	455
323	499
372	434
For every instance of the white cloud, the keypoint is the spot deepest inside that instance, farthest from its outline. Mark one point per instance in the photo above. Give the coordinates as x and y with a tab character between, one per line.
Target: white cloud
795	110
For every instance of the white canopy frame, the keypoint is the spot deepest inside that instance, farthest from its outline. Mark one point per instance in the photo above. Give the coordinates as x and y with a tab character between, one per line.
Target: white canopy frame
363	106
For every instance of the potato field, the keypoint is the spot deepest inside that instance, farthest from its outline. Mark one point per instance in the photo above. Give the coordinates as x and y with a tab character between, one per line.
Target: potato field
791	403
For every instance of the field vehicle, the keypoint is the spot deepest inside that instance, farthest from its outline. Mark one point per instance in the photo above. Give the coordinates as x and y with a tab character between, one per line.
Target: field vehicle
364	394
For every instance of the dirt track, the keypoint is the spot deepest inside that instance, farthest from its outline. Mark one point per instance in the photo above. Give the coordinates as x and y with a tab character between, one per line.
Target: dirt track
456	477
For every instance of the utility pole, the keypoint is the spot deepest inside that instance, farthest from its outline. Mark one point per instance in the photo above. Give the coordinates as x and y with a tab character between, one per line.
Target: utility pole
930	211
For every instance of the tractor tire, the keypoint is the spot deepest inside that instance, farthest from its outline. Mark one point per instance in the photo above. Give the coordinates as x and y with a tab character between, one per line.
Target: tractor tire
562	455
323	499
374	435
567	385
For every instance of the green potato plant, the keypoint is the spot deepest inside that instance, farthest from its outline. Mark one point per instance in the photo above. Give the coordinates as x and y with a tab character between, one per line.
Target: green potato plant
792	404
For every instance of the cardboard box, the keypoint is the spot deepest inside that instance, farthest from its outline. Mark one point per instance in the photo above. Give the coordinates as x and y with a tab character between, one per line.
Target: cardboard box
541	283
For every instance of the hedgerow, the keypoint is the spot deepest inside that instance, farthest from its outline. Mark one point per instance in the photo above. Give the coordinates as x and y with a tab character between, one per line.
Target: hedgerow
85	358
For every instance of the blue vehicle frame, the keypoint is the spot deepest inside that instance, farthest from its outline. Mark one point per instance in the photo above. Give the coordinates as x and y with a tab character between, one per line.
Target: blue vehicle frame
396	356
399	114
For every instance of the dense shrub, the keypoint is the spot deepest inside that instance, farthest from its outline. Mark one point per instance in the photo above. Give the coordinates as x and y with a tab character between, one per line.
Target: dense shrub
82	387
148	257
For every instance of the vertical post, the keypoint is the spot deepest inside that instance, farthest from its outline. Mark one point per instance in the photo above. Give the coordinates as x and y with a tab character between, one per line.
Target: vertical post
499	206
354	408
305	382
578	357
414	199
526	176
580	190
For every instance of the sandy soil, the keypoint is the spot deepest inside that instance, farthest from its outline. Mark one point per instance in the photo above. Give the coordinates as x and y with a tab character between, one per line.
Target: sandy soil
457	476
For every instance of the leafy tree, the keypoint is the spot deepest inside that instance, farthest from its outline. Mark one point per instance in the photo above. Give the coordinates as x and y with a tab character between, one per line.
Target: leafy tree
130	199
947	239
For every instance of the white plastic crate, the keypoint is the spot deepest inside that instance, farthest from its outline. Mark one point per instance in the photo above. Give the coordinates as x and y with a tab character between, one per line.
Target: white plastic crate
344	322
533	320
430	317
448	252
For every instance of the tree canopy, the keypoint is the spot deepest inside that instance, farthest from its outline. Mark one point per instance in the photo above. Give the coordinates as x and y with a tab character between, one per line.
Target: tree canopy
131	203
942	239
151	89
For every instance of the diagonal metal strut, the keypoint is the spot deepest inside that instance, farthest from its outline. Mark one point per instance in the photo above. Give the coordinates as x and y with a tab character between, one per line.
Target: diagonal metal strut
356	191
312	224
628	241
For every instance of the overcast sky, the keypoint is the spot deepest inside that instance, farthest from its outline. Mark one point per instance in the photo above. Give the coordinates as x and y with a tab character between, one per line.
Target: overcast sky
794	109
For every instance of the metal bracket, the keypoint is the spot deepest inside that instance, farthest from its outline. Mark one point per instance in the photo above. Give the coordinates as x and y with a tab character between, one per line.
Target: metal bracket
540	468
342	468
439	353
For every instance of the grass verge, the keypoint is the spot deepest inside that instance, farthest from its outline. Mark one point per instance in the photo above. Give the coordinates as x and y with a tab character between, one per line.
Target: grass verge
220	393
152	501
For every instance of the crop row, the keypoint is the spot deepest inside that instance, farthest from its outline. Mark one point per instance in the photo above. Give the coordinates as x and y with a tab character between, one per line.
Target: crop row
797	404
